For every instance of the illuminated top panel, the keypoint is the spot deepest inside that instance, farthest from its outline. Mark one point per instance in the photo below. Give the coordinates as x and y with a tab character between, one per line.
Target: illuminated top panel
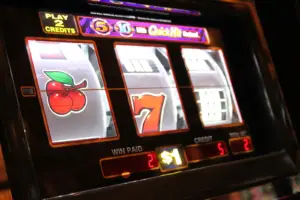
148	7
116	28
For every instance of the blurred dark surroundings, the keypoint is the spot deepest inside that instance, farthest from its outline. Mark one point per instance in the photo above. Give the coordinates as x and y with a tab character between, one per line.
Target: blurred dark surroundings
281	25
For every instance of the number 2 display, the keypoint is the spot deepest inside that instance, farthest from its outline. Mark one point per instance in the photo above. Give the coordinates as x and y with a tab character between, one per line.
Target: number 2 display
212	87
151	88
72	92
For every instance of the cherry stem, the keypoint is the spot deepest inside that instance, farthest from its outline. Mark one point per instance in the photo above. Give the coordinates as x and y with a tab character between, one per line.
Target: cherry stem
83	84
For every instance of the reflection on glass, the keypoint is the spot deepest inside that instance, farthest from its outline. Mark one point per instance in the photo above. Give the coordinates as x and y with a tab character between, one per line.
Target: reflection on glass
152	90
264	192
296	183
71	90
213	90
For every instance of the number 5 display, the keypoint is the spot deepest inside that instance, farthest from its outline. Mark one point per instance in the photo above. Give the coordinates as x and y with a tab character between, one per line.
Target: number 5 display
151	89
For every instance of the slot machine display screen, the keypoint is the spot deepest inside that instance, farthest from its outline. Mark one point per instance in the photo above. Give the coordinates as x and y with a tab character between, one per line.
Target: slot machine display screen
72	91
151	88
212	86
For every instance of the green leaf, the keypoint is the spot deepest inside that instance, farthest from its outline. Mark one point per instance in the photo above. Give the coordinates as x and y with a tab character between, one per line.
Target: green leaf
60	77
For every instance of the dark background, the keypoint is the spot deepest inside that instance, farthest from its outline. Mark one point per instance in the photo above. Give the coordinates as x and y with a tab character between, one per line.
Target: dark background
281	25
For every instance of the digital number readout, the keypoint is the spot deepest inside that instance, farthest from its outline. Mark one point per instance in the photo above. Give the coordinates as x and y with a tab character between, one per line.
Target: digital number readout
171	158
126	165
197	152
241	145
57	23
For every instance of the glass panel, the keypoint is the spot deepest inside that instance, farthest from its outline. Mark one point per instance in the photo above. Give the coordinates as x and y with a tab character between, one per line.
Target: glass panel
212	85
152	90
72	92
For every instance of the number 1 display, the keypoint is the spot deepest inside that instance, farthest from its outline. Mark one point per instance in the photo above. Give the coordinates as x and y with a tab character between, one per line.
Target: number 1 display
151	88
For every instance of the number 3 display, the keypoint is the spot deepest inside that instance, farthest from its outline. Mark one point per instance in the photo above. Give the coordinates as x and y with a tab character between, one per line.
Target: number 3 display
151	88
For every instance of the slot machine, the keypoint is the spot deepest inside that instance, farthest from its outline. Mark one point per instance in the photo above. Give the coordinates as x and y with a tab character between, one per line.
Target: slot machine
120	99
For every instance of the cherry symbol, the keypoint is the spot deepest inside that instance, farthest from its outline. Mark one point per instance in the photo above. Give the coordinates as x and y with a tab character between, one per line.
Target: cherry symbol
63	95
54	87
79	100
60	103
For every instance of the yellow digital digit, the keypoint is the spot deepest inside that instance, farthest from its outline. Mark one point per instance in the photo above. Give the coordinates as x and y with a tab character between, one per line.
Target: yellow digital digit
177	157
168	157
59	23
171	158
102	27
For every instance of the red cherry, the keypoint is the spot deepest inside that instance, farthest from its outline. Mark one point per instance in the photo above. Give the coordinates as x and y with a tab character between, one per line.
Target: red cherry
54	87
79	100
60	104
